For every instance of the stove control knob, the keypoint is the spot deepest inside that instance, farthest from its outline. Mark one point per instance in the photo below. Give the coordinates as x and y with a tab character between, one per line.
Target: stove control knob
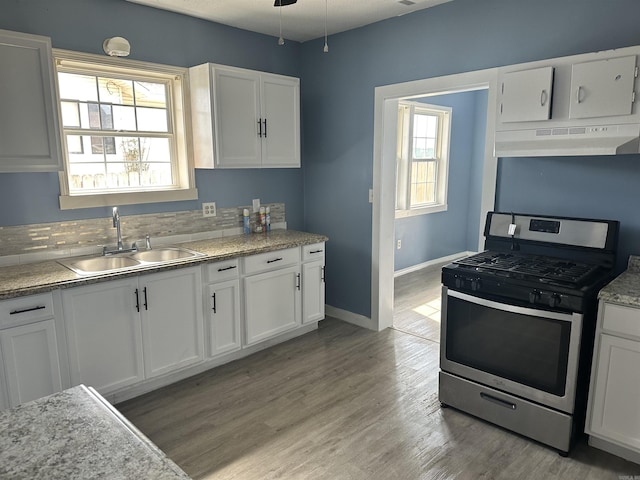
534	296
554	300
459	282
475	284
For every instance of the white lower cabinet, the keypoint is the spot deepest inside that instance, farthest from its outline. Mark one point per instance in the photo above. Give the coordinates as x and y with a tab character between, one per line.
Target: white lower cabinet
123	331
171	320
272	299
30	355
313	283
29	360
613	418
223	317
104	334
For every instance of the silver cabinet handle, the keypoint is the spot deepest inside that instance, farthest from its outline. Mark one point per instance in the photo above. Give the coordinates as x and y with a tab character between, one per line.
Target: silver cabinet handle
543	98
578	94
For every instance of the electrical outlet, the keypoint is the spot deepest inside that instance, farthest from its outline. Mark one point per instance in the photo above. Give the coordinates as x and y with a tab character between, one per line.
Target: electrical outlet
209	209
399	244
256	205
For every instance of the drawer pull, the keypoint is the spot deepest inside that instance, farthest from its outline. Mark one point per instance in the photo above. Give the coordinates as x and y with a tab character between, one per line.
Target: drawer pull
227	268
316	251
274	260
498	401
32	309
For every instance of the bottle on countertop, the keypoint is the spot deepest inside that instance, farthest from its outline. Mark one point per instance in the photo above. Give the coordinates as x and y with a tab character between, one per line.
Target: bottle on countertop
263	219
245	221
268	218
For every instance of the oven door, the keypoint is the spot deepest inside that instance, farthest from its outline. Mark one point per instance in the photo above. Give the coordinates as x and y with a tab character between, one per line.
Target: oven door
527	352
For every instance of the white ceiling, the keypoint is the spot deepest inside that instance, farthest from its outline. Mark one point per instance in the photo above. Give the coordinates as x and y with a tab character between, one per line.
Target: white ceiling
305	20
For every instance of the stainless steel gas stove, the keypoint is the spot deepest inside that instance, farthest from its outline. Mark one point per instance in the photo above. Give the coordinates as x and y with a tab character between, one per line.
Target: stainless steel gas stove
518	322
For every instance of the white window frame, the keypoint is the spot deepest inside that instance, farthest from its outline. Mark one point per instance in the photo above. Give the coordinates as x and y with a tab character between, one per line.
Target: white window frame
184	187
406	111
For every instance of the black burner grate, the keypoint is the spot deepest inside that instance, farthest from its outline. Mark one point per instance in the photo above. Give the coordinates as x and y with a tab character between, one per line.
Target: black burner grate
541	268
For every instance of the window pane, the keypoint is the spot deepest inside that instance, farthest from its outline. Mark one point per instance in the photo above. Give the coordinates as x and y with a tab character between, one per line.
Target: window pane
151	94
158	150
94	115
106	117
74	144
86	154
70	114
152	119
124	118
430	150
77	87
115	90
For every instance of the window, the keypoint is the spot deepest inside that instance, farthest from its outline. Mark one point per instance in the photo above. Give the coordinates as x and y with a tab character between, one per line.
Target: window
422	158
124	131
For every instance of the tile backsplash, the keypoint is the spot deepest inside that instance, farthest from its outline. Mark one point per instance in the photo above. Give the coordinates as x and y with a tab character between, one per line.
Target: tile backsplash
36	242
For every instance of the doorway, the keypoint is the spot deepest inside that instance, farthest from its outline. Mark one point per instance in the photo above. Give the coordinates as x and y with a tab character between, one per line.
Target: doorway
431	233
384	174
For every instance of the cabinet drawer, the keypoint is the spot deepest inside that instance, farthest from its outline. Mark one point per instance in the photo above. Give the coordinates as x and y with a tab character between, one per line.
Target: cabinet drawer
225	270
23	310
271	260
313	252
620	319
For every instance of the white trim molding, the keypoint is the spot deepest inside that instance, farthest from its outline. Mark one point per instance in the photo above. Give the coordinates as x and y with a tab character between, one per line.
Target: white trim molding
431	263
384	173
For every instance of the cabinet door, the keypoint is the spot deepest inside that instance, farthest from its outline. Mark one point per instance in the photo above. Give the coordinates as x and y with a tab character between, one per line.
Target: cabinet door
31	363
272	303
526	95
616	393
237	118
223	317
104	334
602	88
171	311
280	100
312	291
29	138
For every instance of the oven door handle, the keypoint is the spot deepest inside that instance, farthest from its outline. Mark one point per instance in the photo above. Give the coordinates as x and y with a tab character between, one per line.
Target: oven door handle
497	401
566	317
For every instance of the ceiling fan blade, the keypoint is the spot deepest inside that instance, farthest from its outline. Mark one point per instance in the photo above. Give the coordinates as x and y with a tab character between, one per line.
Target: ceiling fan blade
284	3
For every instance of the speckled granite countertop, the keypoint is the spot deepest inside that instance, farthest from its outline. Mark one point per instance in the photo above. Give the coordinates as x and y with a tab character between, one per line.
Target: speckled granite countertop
624	289
76	434
29	279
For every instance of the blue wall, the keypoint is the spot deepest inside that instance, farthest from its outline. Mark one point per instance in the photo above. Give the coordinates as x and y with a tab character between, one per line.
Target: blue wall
436	235
459	36
155	36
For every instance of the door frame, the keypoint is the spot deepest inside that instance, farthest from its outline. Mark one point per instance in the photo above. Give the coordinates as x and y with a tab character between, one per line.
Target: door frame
384	173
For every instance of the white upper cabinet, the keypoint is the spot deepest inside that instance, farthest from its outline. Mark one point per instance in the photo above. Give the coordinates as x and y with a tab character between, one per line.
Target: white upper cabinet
29	127
603	88
525	96
244	119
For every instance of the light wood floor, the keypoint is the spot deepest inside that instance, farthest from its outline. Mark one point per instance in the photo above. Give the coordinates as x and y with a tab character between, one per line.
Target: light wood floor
343	403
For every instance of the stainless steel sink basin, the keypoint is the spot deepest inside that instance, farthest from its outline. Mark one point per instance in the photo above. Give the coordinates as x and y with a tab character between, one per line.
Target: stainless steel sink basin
122	262
101	264
166	254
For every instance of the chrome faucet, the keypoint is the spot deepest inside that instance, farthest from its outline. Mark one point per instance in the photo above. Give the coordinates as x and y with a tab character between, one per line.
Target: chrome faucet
119	248
116	224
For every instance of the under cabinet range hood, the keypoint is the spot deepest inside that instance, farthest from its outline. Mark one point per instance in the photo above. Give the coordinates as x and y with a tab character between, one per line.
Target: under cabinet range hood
571	106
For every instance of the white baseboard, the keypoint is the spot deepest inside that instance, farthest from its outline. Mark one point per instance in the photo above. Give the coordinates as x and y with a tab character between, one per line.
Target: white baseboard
349	317
430	263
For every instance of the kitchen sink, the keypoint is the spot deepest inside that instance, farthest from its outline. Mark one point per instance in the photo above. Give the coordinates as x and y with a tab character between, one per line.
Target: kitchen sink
122	262
166	254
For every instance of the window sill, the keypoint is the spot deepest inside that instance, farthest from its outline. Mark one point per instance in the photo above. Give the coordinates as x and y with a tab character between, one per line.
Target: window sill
68	202
421	211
